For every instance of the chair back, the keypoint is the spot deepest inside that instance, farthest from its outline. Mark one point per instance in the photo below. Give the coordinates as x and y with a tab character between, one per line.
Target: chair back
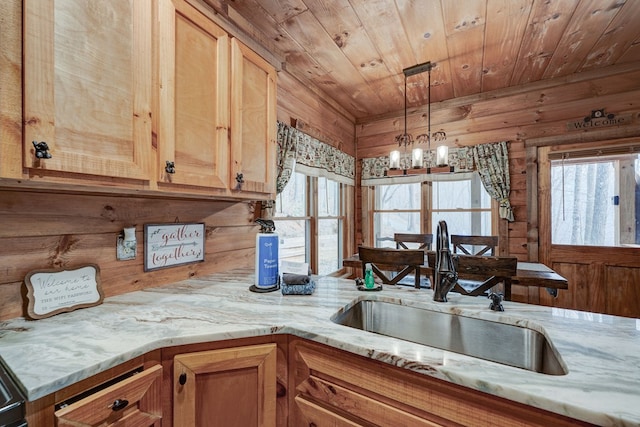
474	245
385	260
424	241
478	274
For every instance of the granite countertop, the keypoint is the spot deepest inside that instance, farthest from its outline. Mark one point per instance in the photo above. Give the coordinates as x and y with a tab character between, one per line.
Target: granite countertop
601	353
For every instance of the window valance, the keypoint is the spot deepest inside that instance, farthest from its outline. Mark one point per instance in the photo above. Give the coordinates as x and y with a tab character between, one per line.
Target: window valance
491	161
310	156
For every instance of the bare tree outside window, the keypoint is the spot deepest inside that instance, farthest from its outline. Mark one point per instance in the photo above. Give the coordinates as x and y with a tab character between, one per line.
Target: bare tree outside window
595	201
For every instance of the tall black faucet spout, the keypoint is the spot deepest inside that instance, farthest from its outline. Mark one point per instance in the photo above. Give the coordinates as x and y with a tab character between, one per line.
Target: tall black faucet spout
445	274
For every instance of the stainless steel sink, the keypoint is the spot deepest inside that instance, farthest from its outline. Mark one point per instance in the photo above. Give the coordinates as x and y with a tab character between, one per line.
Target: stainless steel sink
494	341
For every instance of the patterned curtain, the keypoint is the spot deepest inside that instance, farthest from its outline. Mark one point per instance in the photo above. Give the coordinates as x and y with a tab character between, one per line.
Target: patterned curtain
313	156
492	163
286	159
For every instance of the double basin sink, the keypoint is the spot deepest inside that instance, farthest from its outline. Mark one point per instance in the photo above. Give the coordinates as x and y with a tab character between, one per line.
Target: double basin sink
498	342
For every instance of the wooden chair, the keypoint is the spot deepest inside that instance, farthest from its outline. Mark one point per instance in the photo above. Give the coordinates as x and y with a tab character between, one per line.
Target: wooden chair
424	241
478	274
468	245
392	265
410	240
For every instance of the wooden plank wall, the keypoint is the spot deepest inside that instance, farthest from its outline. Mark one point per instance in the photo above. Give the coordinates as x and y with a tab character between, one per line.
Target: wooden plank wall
43	230
314	114
540	112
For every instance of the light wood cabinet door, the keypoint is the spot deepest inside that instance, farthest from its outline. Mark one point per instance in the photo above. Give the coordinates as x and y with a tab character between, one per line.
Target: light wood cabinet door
194	99
253	121
87	87
135	401
227	387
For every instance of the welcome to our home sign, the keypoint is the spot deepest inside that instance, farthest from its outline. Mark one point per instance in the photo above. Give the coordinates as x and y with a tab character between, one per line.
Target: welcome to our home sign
54	291
168	245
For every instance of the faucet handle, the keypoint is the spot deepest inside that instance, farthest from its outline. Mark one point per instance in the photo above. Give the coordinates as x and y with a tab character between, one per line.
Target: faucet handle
496	302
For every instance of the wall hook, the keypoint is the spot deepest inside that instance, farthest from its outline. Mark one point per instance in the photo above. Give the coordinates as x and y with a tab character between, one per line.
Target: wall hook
42	150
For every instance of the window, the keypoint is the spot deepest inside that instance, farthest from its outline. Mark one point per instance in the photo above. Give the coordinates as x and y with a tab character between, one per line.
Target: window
397	210
297	214
329	240
595	200
463	204
292	221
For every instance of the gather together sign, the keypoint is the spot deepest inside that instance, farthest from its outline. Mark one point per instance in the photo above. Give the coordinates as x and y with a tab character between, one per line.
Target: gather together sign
167	245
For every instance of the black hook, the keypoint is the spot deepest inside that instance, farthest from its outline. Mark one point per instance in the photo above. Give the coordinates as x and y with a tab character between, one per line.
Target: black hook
170	167
42	150
239	180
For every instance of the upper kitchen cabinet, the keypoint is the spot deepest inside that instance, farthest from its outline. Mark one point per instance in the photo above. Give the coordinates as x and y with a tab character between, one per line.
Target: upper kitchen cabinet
193	135
87	89
216	127
253	121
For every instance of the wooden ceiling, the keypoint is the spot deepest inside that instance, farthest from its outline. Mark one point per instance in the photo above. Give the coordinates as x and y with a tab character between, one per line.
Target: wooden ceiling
354	51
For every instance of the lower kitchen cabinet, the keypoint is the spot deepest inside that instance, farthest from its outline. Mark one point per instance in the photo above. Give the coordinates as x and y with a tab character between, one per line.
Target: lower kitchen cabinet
277	380
132	401
227	387
331	387
238	382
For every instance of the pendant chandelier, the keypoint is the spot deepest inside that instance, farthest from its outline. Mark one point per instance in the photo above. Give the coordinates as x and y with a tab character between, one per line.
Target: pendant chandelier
406	139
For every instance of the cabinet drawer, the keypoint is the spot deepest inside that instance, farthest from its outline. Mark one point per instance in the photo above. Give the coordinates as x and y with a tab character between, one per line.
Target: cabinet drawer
134	401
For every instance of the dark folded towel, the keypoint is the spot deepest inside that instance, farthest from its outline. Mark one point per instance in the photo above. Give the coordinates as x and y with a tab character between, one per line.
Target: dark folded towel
295	279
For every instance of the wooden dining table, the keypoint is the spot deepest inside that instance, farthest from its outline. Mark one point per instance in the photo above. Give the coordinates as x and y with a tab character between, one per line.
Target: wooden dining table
527	274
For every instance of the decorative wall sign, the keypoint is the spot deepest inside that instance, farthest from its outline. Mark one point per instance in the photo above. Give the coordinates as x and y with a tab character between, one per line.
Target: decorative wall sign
55	291
600	119
168	245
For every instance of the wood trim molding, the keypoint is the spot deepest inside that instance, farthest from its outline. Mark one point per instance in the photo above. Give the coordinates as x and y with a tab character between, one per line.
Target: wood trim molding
584	137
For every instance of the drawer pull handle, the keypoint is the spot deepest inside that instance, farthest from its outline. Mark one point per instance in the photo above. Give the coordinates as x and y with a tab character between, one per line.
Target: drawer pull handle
119	404
182	379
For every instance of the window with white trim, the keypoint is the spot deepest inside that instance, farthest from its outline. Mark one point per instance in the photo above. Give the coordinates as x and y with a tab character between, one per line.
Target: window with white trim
463	204
416	207
397	210
595	197
309	218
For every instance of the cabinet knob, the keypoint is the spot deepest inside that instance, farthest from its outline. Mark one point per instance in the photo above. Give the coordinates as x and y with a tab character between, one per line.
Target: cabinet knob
182	379
239	180
170	167
119	404
42	150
